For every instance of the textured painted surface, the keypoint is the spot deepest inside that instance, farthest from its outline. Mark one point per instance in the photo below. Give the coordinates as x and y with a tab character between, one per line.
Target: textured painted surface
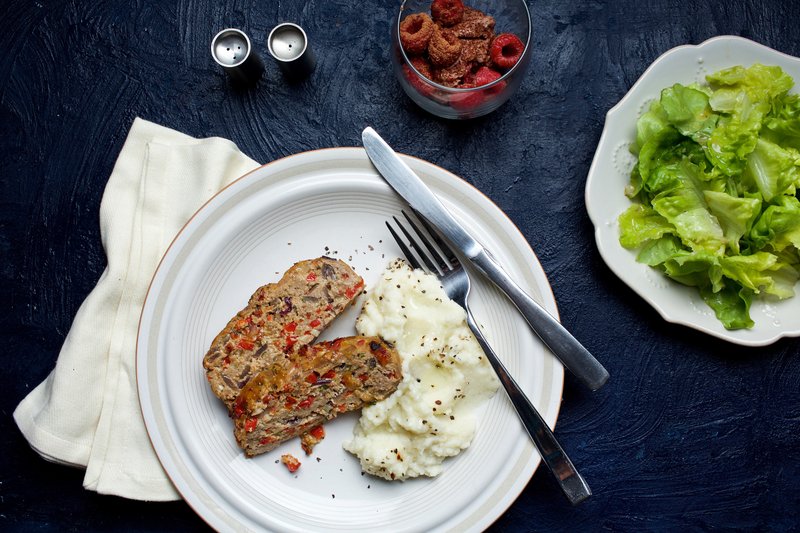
690	433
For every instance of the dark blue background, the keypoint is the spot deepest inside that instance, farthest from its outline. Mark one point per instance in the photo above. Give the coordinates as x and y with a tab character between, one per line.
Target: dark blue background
690	433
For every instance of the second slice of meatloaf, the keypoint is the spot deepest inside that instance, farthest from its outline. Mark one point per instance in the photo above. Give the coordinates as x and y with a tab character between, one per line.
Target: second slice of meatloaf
299	393
279	318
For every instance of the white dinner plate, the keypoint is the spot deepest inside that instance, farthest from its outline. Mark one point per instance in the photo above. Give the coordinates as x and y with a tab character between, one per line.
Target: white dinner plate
610	173
327	202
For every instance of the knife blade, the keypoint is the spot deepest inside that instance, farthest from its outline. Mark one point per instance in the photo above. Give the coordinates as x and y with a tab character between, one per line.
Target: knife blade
572	354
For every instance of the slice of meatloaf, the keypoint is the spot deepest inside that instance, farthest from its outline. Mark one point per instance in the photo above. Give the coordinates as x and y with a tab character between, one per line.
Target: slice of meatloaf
278	318
301	392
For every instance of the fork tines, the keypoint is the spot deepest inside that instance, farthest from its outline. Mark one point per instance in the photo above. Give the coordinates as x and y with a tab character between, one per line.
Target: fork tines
438	258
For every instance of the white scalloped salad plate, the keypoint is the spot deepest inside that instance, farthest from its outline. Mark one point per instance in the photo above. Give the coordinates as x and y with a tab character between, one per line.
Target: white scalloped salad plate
327	202
610	173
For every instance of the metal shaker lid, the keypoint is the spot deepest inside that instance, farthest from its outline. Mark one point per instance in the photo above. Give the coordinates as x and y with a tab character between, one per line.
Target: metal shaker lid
231	49
288	44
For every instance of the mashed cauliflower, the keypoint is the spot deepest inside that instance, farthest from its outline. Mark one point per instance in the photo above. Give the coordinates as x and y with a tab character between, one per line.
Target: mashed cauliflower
446	378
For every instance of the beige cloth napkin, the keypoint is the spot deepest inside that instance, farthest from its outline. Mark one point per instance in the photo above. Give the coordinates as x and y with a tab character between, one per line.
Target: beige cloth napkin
86	413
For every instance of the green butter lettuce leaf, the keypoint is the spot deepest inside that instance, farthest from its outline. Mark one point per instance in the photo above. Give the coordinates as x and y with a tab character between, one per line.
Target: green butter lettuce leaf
681	202
752	271
784	280
687	109
658	251
735	215
783	125
745	96
730	305
660	148
694	269
778	226
761	84
650	125
639	224
730	144
715	187
774	170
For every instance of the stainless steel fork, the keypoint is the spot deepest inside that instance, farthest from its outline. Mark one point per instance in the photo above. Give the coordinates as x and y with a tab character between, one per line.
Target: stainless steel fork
443	263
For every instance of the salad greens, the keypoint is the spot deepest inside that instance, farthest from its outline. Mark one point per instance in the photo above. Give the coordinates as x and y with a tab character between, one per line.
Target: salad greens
715	188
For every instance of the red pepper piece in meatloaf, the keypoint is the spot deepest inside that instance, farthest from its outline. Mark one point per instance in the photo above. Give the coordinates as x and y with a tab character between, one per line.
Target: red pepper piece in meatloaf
311	439
279	318
299	393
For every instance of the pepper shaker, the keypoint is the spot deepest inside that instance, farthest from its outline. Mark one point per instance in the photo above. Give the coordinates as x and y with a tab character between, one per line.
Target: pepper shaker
288	45
231	49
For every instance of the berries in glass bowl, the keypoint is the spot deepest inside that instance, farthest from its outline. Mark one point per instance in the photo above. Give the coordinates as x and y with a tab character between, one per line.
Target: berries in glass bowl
452	60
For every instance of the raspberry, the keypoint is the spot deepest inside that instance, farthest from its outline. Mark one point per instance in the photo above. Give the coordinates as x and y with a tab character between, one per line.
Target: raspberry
505	50
479	78
447	12
444	47
422	65
484	76
415	33
424	68
466	101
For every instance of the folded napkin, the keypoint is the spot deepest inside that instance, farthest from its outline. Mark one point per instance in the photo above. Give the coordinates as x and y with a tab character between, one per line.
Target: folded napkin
86	413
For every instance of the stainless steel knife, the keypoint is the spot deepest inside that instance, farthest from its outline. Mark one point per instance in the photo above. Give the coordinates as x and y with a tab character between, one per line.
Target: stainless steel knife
575	357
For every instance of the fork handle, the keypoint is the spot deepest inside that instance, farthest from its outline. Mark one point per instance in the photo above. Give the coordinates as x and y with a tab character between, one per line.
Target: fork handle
574	356
569	480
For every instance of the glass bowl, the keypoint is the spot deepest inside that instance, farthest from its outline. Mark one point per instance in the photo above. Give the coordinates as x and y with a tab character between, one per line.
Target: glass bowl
511	16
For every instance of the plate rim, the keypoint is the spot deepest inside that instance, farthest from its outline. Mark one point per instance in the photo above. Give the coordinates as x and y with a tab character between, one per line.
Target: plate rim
593	180
546	291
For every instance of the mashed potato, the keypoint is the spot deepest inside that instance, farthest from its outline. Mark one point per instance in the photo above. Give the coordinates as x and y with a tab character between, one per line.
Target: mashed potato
446	378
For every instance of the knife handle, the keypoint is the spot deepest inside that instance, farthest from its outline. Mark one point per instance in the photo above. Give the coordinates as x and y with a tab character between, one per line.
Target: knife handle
572	354
567	476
